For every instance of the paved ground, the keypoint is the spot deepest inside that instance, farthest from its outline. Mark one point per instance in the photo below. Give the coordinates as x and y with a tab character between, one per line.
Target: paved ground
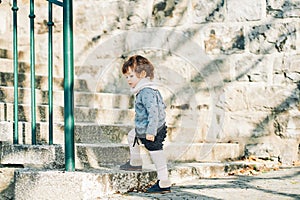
283	183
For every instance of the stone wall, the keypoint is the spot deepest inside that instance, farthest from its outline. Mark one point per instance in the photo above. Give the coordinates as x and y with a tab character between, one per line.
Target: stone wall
234	64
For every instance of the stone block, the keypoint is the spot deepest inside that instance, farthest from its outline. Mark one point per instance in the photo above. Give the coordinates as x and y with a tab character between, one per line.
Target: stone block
293	130
97	134
243	10
98	155
77	185
208	11
272	38
97	184
283	150
169	13
6	131
7	182
249	68
4	18
280	9
36	156
259	97
224	40
240	126
201	152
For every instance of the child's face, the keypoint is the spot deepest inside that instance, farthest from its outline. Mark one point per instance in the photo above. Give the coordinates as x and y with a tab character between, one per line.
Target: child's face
132	78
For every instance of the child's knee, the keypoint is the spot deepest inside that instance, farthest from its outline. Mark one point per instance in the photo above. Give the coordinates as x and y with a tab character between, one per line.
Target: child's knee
131	136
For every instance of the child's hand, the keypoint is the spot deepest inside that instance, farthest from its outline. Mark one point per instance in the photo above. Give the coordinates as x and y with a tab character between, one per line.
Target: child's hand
150	137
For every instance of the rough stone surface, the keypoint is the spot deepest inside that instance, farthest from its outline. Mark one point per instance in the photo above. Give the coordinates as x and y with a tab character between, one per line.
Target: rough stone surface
49	184
229	70
6	182
275	184
37	156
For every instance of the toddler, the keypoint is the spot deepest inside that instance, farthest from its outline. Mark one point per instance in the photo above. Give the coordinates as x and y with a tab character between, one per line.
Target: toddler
150	126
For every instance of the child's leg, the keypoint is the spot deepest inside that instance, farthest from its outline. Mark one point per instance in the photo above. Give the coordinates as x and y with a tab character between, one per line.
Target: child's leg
135	156
159	159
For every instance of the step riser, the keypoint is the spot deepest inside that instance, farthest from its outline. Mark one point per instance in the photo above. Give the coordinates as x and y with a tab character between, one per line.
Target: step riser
91	100
79	185
95	156
95	134
81	114
23	67
4	53
175	118
90	134
37	156
52	156
41	82
201	152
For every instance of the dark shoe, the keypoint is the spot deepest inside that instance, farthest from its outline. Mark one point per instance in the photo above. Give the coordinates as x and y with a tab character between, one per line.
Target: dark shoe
156	189
129	167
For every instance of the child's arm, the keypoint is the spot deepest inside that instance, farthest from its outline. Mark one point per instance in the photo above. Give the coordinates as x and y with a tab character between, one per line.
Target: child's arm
149	100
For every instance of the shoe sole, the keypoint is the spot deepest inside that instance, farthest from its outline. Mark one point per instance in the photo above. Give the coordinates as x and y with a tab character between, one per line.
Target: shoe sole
161	192
131	169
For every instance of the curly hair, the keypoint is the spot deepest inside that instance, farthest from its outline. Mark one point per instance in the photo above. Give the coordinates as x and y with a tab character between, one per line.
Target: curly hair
138	64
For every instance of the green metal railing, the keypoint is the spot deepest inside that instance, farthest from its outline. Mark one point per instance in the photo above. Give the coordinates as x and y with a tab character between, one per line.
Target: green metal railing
50	70
32	73
15	55
68	84
68	77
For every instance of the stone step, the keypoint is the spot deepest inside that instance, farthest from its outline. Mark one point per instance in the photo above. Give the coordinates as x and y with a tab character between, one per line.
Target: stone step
24	96
41	82
99	155
89	133
35	156
5	53
81	114
53	184
7	65
109	154
196	152
95	156
175	117
83	99
52	156
6	49
94	133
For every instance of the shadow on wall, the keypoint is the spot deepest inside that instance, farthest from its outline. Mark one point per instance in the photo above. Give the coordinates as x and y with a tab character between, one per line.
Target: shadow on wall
208	71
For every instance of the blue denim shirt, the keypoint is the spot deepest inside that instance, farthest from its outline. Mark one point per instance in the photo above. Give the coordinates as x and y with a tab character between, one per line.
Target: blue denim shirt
149	112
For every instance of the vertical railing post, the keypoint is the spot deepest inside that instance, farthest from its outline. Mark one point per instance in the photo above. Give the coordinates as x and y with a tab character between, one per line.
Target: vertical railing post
15	54
68	85
32	73
50	72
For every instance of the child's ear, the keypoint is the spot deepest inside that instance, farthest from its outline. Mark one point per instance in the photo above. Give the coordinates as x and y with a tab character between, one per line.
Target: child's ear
143	74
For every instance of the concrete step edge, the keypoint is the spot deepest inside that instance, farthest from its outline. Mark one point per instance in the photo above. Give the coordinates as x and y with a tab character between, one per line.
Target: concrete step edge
112	180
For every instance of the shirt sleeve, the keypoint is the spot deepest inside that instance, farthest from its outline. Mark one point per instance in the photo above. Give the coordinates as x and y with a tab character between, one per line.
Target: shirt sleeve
149	100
